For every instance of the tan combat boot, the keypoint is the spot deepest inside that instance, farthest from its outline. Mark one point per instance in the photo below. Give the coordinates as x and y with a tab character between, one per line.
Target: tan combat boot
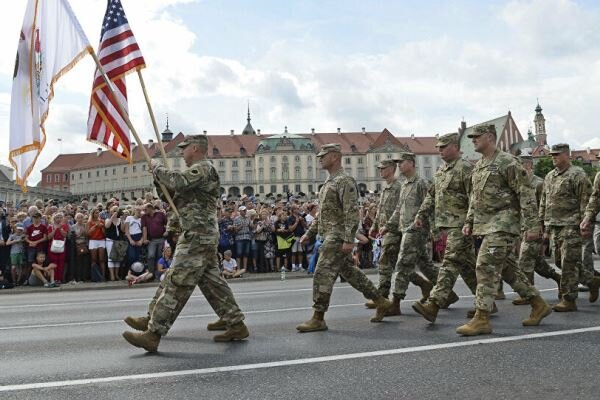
138	323
218	325
500	295
539	310
519	301
383	305
370	305
479	325
429	310
316	323
565	305
425	286
452	298
594	289
471	312
147	340
238	331
395	308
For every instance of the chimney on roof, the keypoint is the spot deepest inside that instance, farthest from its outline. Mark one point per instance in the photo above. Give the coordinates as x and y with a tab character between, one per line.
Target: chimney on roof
150	141
363	130
412	136
98	151
312	130
285	130
258	132
231	132
204	132
339	131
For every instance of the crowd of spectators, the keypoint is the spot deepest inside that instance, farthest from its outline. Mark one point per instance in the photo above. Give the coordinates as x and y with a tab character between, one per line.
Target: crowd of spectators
47	243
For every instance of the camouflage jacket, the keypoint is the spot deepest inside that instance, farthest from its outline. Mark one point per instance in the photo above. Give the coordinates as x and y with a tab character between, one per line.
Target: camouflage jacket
338	209
502	199
537	184
593	206
411	197
195	194
448	197
565	197
387	203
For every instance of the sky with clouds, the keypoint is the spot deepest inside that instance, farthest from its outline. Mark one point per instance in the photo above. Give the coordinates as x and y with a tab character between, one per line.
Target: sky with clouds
414	67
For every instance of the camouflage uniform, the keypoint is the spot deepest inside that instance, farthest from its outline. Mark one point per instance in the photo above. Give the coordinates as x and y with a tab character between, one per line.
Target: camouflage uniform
195	262
390	246
530	252
336	224
562	207
413	250
448	200
592	210
501	190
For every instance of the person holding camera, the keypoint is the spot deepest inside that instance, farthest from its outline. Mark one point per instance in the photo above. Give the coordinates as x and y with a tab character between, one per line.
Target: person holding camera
297	226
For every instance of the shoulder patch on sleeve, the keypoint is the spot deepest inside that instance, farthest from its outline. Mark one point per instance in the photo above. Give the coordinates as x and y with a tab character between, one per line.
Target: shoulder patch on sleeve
194	171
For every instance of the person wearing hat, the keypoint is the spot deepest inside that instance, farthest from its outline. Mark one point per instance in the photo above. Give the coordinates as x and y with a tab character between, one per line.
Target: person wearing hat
413	249
336	224
16	241
243	227
502	203
390	246
530	254
195	263
592	212
566	193
447	203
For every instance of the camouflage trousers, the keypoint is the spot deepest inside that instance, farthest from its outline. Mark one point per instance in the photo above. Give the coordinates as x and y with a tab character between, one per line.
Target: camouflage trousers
387	261
496	261
331	263
587	256
413	253
194	264
568	251
459	258
532	260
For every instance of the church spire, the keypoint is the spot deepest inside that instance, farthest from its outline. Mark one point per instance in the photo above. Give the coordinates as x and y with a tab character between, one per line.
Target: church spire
539	122
167	135
248	130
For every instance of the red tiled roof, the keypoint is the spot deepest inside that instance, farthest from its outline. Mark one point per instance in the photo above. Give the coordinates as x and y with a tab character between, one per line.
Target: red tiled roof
230	146
585	154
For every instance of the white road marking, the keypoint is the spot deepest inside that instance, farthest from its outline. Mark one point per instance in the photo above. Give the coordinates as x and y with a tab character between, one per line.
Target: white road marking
112	321
287	363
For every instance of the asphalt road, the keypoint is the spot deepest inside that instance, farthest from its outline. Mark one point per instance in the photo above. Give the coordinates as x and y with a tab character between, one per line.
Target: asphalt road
68	345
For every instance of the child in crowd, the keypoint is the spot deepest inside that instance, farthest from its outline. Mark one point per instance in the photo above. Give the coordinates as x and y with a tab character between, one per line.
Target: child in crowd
164	263
16	241
42	272
138	273
230	267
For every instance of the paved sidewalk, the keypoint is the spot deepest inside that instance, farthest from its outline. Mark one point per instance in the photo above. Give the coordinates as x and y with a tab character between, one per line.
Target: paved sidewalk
248	277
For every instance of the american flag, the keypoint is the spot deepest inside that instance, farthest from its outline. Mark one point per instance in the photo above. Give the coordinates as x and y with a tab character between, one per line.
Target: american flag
119	54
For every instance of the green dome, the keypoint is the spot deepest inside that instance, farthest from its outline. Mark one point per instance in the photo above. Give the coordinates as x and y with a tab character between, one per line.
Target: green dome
285	141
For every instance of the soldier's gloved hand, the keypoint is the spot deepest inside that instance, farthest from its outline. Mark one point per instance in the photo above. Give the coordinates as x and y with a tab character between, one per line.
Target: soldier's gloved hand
418	223
347	248
383	231
303	239
153	164
532	236
466	230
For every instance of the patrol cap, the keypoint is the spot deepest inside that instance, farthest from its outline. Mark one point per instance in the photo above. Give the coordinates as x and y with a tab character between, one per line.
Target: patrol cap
560	148
406	156
482	129
386	163
447	139
196	139
329	148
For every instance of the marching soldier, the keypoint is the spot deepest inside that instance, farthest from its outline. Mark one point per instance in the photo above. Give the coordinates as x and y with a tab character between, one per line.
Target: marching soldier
412	246
448	201
195	263
563	206
336	224
501	201
531	258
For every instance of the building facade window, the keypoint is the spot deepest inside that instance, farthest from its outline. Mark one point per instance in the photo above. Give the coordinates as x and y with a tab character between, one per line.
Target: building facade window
67	177
97	174
89	174
261	189
273	189
297	173
273	159
426	160
310	188
388	156
124	170
377	157
248	177
80	175
273	173
134	168
73	177
234	176
260	161
347	161
285	174
297	189
378	187
360	160
297	158
261	174
105	172
49	178
234	163
286	188
221	163
309	172
360	173
114	171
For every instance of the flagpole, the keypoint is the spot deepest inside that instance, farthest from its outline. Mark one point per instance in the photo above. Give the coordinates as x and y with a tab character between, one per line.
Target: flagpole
131	128
162	148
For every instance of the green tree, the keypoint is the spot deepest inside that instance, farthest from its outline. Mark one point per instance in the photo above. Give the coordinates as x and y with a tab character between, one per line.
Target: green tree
544	165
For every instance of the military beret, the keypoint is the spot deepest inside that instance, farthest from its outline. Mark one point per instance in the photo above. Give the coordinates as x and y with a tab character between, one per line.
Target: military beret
482	129
406	156
560	148
197	139
386	163
447	139
329	148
